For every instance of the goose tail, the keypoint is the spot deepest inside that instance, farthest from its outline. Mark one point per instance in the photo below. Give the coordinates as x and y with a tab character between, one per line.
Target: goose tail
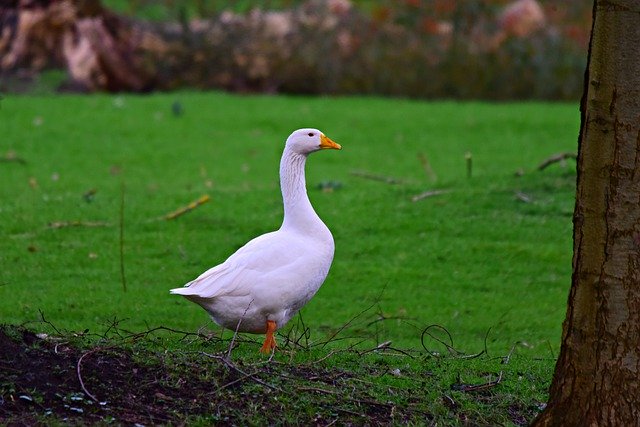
185	290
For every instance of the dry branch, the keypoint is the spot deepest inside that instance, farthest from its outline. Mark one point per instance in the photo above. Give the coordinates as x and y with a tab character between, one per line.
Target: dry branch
12	157
235	333
426	166
231	365
78	370
523	197
479	387
560	157
121	239
350	399
427	194
506	359
449	346
80	375
347	324
65	224
191	206
375	177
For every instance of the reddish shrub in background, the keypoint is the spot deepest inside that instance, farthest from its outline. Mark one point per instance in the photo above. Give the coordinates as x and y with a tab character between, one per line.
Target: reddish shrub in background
521	18
473	49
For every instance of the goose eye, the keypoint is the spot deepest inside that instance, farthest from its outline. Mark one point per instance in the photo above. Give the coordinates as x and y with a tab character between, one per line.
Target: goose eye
311	134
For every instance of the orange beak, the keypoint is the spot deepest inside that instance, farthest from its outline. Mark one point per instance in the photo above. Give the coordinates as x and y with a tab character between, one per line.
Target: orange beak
325	142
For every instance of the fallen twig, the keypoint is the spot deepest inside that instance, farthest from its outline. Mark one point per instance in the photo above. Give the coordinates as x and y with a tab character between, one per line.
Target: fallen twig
306	333
350	399
383	346
185	334
191	206
449	402
560	157
452	350
80	375
65	224
478	387
231	365
78	370
12	158
553	353
375	177
346	411
315	362
235	333
388	350
316	389
429	193
343	327
121	239
44	320
484	350
506	359
523	197
426	166
449	347
237	380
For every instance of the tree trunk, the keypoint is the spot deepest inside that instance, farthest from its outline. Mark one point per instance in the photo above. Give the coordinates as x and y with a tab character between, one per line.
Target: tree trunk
597	376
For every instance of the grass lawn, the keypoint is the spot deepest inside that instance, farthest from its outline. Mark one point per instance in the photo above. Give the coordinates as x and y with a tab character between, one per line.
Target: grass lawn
488	259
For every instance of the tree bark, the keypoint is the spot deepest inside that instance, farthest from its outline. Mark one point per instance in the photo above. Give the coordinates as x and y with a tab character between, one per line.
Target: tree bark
597	375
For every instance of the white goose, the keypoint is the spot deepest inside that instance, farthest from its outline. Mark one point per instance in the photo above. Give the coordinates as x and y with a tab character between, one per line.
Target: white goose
266	282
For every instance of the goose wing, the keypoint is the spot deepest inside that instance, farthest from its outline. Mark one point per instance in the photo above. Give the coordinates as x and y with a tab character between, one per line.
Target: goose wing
261	260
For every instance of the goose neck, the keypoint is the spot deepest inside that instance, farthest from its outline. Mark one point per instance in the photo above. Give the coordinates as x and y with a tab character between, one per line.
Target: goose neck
298	211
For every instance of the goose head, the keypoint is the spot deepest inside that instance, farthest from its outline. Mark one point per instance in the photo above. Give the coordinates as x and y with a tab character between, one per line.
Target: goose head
305	141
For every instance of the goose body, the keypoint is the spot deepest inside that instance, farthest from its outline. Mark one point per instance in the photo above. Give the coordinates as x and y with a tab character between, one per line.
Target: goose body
267	281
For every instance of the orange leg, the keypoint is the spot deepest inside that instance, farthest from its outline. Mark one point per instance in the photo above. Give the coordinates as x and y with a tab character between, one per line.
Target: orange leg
269	341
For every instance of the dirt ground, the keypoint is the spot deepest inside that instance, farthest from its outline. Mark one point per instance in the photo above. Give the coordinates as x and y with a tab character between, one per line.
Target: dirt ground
44	380
39	381
71	380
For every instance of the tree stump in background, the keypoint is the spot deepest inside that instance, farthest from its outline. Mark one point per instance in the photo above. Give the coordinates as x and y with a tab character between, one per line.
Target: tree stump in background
100	50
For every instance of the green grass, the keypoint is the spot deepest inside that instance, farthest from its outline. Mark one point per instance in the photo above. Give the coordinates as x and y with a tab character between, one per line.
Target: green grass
473	259
488	260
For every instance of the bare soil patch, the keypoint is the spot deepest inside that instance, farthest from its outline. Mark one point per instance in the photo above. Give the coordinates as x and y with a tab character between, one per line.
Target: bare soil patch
42	379
132	380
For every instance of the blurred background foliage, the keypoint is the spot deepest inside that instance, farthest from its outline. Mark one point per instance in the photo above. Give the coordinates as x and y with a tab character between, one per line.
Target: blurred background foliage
490	49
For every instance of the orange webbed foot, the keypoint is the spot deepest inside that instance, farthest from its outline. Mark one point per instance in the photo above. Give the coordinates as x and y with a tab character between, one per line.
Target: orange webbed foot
269	341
